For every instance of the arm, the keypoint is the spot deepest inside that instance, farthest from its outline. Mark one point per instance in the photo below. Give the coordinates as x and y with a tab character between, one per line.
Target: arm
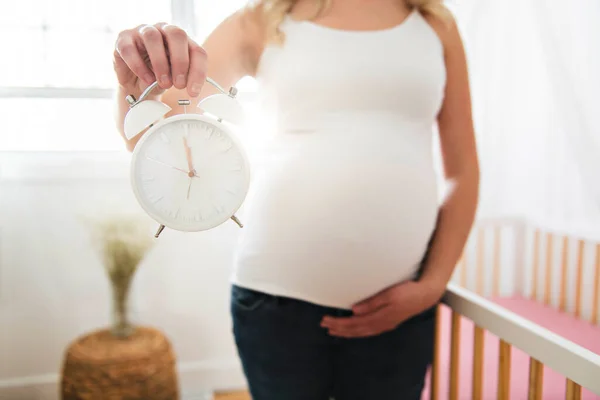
461	167
229	53
233	50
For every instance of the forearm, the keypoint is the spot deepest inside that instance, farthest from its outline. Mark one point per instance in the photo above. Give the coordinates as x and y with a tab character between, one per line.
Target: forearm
454	224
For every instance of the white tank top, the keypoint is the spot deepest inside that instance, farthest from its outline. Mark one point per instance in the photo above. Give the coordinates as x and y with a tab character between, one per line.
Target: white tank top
347	199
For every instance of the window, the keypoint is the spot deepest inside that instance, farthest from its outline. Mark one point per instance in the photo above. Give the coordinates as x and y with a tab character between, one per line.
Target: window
56	91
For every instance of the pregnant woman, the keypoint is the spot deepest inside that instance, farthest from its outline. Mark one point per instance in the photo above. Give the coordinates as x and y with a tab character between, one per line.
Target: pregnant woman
347	248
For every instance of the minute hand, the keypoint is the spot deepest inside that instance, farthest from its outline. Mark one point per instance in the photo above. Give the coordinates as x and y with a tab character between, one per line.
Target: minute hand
167	165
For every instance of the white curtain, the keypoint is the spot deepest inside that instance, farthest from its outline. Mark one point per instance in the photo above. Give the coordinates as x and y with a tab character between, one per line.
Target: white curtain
535	80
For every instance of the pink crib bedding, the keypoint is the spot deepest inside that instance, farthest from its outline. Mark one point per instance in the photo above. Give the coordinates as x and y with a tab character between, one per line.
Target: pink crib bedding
581	332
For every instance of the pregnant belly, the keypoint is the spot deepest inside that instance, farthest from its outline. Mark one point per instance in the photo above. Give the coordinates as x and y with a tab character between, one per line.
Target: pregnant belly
350	201
334	229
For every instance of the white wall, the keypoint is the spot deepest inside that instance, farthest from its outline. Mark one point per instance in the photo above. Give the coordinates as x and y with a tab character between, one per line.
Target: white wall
53	287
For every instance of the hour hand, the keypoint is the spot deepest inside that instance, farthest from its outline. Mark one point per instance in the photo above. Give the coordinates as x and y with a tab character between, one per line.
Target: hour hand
188	156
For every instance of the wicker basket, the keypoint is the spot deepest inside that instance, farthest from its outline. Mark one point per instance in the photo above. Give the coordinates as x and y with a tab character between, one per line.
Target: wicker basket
101	366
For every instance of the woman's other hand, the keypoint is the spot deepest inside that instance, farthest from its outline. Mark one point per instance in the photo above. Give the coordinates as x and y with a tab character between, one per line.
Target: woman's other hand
385	311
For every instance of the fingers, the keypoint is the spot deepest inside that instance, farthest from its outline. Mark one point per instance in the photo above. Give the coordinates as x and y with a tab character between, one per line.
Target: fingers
161	53
358	326
358	333
130	55
198	67
348	323
177	43
152	40
372	304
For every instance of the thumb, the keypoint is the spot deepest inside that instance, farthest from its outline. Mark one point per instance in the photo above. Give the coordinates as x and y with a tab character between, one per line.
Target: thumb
372	304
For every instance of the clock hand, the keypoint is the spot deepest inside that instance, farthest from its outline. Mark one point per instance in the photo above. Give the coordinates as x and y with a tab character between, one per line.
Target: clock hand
166	165
189	187
188	156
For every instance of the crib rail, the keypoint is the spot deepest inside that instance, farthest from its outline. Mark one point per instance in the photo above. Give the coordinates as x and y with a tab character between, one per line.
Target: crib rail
559	268
579	366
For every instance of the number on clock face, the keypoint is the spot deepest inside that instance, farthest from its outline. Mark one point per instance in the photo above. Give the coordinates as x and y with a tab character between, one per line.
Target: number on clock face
190	174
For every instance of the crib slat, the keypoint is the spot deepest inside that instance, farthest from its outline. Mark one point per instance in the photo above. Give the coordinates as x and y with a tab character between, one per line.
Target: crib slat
536	379
435	367
597	287
563	274
454	355
549	253
480	260
573	391
477	363
496	266
536	264
579	278
504	371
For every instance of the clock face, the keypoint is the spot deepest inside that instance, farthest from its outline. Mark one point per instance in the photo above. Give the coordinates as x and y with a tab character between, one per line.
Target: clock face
189	173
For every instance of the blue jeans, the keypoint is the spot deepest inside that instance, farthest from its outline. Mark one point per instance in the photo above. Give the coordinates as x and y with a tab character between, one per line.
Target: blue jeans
286	355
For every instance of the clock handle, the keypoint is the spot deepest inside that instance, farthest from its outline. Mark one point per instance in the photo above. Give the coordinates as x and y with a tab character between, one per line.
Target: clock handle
232	91
133	101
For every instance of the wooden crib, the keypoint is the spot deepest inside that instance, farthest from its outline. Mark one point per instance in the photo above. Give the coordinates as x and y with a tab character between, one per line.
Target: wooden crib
520	319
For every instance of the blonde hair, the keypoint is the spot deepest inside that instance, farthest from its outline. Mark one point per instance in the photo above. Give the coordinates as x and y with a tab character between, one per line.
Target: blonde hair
274	11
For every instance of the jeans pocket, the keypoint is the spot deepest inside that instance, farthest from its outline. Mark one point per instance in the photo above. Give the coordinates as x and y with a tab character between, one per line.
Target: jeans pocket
247	299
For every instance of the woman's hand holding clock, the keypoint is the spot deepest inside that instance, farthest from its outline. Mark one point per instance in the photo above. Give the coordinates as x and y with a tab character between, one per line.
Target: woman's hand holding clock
162	53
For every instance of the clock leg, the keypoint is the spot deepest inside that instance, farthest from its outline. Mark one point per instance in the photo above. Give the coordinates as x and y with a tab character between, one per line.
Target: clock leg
237	221
160	229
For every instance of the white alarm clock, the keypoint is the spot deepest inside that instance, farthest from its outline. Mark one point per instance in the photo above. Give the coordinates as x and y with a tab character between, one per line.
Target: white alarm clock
189	172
